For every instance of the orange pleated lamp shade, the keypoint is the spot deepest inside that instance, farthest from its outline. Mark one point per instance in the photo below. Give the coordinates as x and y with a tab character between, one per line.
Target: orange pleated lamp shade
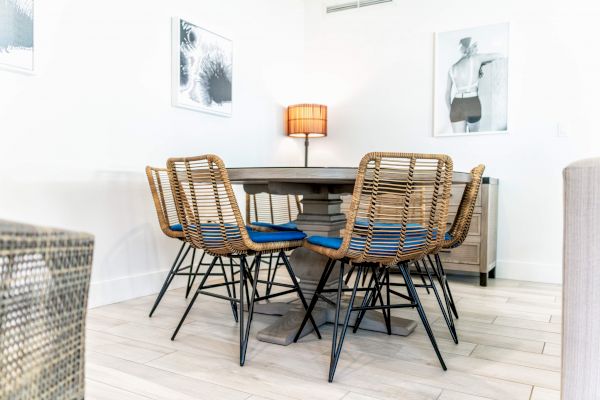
306	120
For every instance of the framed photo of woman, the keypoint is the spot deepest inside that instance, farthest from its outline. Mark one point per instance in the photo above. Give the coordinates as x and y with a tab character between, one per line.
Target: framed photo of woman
471	81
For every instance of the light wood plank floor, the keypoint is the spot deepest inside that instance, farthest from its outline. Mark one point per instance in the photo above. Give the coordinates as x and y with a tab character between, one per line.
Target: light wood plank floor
509	349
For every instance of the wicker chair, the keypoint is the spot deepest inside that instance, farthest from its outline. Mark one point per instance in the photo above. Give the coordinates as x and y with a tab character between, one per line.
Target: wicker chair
44	284
164	203
458	232
428	270
212	221
268	212
386	228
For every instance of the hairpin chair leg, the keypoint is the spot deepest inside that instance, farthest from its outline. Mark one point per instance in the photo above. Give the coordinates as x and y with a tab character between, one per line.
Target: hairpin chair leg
204	278
191	283
272	279
243	295
444	282
246	334
366	300
404	269
232	302
174	268
313	302
232	279
257	260
445	309
372	297
189	277
349	274
336	345
420	272
288	266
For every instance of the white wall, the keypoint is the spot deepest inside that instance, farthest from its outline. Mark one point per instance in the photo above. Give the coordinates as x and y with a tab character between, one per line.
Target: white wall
374	68
77	135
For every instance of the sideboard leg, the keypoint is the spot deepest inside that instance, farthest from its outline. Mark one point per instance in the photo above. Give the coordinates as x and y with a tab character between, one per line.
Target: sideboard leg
483	277
492	273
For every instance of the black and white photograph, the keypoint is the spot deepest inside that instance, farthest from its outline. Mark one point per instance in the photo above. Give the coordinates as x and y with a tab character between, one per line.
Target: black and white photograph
471	81
202	69
16	34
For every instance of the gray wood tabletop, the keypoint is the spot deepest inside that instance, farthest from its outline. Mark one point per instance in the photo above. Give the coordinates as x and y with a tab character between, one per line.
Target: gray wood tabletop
325	175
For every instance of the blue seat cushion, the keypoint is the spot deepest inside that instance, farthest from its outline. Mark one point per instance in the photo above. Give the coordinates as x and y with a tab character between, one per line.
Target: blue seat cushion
289	226
448	236
212	234
384	242
279	236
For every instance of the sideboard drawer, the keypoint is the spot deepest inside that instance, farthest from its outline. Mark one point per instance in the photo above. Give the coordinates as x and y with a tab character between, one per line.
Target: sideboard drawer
467	253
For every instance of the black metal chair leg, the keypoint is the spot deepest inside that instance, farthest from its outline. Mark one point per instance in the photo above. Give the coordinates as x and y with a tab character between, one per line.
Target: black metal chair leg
176	264
373	296
275	268
247	270
189	277
232	277
313	302
420	272
404	269
204	278
366	300
268	290
387	292
442	272
244	343
249	275
446	313
191	284
387	314
299	291
349	275
232	302
336	347
242	295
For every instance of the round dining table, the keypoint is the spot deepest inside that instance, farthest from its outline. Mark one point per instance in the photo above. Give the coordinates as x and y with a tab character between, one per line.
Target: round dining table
321	189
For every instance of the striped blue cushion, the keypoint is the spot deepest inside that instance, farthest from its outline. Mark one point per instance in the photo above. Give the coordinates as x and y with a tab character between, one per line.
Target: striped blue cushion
384	241
290	226
213	238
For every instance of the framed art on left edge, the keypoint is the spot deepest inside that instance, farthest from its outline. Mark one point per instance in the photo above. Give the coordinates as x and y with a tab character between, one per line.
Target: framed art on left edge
202	69
16	35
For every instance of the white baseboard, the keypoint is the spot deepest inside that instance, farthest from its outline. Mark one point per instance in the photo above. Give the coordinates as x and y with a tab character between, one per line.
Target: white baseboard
533	272
129	287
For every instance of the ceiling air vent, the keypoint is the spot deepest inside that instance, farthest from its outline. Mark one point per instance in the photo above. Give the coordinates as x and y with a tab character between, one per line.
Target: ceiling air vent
349	5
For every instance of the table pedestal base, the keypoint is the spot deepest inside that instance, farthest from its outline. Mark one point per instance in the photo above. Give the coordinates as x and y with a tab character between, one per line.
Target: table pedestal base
282	332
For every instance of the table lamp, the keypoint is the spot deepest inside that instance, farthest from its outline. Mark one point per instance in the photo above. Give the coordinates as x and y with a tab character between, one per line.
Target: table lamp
306	121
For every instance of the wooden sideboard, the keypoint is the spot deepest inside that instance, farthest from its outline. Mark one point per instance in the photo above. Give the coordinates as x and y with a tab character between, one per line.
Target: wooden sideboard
478	252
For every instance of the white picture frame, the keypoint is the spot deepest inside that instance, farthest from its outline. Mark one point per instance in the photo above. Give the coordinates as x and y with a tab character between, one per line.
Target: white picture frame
202	69
17	36
472	65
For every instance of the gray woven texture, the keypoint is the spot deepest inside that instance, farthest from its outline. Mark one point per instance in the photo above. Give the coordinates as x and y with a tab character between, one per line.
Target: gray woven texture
44	284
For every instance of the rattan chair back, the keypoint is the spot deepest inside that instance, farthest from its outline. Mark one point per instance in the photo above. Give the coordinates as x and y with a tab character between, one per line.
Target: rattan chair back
208	210
399	207
272	208
164	202
462	222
